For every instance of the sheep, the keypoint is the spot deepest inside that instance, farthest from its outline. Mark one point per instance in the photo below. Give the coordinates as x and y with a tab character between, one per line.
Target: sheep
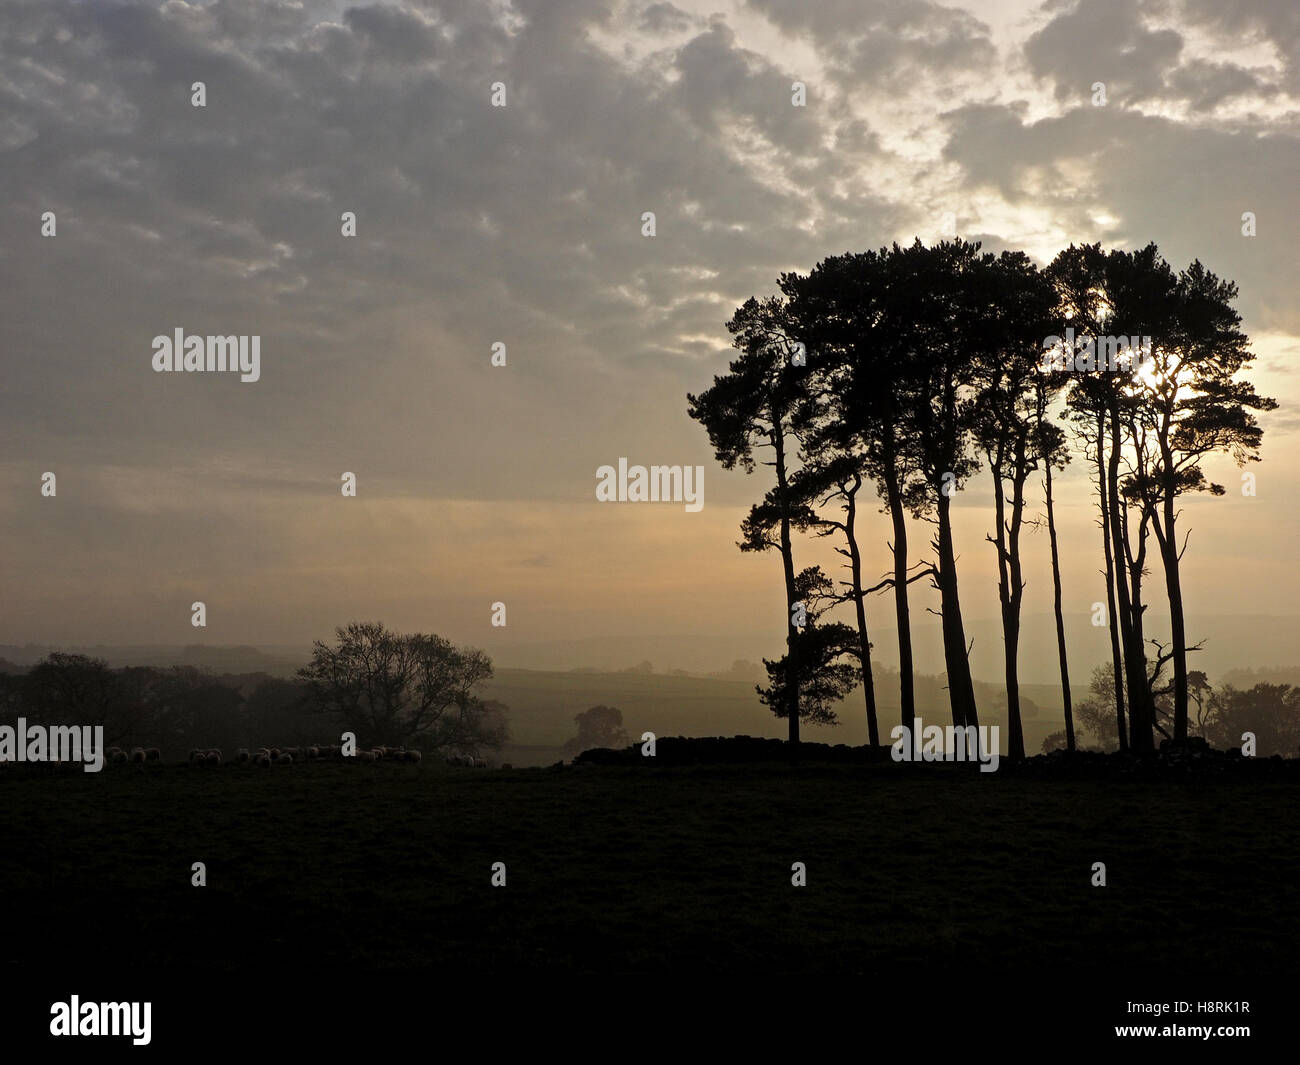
152	754
274	753
137	754
117	756
264	760
506	765
197	757
413	756
214	756
366	756
313	753
285	758
242	756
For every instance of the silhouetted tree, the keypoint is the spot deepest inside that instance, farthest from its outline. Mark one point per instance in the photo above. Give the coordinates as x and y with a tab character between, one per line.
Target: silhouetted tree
1093	289
1190	405
1270	711
1055	455
392	688
835	477
943	295
826	670
750	407
76	689
601	726
860	350
1008	428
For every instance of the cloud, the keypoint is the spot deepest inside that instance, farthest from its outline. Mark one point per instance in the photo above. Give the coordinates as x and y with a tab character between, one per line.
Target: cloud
522	224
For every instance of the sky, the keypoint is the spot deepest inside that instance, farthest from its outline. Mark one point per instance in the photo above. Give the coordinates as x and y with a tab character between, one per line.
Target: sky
523	225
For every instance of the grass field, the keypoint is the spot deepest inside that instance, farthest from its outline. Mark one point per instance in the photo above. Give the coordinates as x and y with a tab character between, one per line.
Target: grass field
650	870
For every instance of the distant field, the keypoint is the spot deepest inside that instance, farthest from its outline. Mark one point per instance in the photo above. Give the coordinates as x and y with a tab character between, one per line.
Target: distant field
542	705
649	870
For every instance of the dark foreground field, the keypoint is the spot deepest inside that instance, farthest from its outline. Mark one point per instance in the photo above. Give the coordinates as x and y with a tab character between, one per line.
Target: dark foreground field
929	870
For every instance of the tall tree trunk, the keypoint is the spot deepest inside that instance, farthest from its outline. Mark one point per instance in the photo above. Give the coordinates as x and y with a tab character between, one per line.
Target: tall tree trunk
864	642
1117	660
1168	540
1056	606
1007	603
1141	740
1017	734
902	612
961	691
787	562
1136	567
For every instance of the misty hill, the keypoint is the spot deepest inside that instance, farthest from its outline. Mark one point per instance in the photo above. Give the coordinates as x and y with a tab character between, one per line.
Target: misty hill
1232	641
643	677
542	705
275	661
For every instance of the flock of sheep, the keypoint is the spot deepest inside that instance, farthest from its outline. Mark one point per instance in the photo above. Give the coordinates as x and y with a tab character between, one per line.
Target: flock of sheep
117	756
269	756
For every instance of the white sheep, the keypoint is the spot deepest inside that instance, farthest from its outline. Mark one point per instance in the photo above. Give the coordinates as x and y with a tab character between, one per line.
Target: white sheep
413	756
264	760
285	759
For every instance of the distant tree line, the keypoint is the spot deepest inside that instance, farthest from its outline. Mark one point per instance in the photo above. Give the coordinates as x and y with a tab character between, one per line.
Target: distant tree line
908	371
1222	716
387	688
174	708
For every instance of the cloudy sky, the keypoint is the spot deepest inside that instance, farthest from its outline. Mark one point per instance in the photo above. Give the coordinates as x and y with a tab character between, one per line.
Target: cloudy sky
522	224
